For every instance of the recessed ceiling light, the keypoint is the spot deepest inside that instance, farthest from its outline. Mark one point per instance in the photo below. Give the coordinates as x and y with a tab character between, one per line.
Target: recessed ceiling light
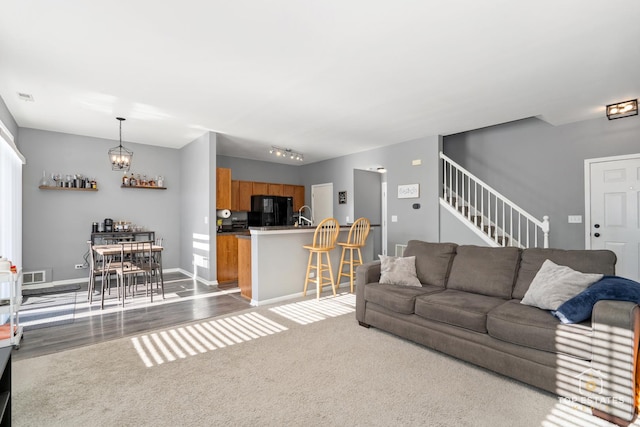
25	96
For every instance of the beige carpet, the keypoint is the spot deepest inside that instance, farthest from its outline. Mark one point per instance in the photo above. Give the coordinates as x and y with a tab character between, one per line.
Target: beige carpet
314	367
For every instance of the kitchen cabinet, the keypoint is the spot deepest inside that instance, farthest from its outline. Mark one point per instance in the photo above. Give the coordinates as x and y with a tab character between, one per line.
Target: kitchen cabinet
223	188
274	189
297	192
241	192
260	188
244	266
245	191
235	187
227	258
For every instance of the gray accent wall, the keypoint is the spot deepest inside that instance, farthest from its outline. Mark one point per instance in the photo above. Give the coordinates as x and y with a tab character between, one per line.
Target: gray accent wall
422	223
7	118
197	202
256	170
57	224
541	167
451	231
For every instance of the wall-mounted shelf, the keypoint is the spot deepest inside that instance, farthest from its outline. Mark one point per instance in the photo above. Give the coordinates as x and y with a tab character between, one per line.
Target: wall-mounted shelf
44	187
146	187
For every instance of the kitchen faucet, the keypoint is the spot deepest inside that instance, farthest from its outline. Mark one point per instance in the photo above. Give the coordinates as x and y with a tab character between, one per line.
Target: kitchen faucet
300	217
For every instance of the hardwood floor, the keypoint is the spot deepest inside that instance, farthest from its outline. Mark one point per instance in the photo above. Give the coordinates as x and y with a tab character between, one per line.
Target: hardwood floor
57	322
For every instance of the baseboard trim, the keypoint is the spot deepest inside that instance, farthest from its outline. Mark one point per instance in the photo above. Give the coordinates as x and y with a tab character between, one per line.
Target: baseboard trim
199	279
86	280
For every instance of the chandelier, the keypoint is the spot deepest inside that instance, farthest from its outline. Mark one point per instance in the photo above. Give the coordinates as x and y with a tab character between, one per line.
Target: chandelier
119	156
286	153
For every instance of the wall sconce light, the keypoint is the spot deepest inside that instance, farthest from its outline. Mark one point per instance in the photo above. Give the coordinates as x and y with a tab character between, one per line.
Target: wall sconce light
622	109
286	153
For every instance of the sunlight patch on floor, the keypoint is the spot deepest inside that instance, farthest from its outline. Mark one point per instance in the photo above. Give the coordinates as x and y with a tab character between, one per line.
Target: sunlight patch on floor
315	310
178	343
80	308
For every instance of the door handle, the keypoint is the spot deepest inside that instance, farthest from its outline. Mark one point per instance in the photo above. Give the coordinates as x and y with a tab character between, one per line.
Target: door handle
596	235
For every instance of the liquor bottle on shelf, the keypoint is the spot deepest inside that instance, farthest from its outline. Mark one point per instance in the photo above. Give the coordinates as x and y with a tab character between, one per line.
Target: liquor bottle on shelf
125	179
132	180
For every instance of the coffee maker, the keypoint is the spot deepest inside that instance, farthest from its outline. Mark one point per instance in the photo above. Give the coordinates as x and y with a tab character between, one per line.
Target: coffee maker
108	225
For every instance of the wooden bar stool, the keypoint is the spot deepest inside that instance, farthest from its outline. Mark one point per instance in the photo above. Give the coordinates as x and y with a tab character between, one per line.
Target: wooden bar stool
324	240
356	239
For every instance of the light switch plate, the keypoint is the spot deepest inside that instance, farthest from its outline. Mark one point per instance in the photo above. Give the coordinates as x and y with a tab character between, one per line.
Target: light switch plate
416	162
394	218
575	219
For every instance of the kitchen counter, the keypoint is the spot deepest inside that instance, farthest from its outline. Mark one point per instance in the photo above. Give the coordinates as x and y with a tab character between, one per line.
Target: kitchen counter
232	232
279	261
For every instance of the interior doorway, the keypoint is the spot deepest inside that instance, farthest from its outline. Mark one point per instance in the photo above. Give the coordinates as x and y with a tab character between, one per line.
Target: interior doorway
612	210
321	202
369	202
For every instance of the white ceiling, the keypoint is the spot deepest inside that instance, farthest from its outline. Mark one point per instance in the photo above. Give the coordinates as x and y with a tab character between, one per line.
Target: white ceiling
322	77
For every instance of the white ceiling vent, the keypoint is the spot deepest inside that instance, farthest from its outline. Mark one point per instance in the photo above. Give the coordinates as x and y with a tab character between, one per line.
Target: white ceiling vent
25	96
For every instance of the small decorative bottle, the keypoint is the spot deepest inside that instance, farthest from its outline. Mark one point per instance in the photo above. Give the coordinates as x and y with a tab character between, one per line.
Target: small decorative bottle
132	180
125	179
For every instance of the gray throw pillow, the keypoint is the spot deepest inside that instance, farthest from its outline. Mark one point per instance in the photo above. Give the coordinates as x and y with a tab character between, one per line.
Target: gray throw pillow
398	270
554	284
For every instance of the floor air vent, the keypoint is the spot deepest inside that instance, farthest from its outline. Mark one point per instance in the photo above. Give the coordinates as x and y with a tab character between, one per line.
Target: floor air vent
33	277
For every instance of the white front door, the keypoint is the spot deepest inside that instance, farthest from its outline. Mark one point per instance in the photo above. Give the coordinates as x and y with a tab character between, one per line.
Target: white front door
321	202
614	219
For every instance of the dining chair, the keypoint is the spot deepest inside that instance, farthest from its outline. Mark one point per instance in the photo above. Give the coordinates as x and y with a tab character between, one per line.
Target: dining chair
324	240
357	238
136	261
105	269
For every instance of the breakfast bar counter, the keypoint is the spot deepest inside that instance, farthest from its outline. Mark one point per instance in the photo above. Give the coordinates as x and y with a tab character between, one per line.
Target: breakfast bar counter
279	261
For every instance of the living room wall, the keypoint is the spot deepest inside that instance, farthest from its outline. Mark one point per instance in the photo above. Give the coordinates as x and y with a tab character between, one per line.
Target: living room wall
198	201
541	167
57	224
422	223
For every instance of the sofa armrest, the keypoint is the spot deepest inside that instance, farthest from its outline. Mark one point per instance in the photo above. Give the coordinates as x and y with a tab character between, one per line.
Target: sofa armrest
616	327
365	273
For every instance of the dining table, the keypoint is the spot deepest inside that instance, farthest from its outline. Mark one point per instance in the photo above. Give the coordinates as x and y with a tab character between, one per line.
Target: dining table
105	251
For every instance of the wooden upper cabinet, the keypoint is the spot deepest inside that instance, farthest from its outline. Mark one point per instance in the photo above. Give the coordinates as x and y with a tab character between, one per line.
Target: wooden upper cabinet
274	190
298	197
245	191
295	191
287	190
260	188
223	188
235	190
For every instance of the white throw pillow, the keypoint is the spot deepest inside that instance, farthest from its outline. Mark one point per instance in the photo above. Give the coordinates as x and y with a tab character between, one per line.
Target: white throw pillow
398	270
554	284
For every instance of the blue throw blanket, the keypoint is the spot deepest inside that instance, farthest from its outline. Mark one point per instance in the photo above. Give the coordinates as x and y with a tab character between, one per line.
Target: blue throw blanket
580	307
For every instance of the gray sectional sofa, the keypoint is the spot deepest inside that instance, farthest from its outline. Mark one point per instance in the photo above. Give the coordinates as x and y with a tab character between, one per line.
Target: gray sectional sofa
469	307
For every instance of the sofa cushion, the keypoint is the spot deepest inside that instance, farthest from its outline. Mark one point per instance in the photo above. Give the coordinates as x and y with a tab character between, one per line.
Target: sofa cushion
554	284
535	328
398	270
463	309
585	261
433	260
484	270
400	299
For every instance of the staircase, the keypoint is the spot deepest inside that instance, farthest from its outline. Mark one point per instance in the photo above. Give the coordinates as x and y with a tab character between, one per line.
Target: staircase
493	217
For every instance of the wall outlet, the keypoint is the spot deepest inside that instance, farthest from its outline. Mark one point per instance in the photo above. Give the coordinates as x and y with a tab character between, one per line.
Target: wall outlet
416	162
80	266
